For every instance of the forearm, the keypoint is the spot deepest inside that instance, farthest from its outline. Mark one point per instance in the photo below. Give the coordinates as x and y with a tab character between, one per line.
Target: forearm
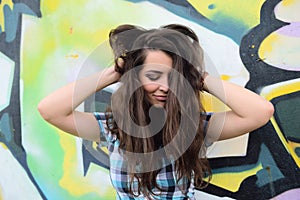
242	101
65	100
248	110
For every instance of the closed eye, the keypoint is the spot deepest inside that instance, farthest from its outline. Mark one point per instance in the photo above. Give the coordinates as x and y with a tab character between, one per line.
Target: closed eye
153	76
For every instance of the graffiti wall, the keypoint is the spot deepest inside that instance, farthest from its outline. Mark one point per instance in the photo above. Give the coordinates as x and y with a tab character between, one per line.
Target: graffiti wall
46	44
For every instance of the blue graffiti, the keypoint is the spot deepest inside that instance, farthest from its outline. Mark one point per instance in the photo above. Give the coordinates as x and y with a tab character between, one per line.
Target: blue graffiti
5	129
270	171
12	17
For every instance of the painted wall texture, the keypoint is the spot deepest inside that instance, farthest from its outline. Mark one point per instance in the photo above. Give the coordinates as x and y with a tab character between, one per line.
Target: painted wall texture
46	44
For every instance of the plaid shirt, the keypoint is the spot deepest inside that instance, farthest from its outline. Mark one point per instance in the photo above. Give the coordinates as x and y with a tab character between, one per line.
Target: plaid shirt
166	177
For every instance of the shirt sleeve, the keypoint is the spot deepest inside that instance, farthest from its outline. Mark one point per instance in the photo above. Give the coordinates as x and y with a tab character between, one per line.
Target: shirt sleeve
105	135
207	117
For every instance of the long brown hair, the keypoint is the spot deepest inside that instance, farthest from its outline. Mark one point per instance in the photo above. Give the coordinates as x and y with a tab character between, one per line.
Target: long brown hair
132	43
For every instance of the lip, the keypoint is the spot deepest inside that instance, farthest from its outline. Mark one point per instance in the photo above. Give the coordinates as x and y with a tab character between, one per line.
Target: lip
160	97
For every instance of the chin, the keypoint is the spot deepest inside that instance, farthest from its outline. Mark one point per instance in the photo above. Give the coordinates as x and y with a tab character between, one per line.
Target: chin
159	105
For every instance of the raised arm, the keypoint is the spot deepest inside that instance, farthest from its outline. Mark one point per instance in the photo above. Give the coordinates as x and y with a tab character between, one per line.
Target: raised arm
58	108
249	111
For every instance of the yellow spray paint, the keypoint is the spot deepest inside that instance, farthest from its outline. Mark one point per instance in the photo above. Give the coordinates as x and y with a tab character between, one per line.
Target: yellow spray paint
73	179
288	2
1	196
50	6
3	146
266	46
232	181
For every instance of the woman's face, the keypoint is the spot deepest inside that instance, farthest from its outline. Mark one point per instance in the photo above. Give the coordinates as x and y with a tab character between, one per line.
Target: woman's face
154	76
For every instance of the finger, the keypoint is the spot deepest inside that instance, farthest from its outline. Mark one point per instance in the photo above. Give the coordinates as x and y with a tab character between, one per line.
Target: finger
120	62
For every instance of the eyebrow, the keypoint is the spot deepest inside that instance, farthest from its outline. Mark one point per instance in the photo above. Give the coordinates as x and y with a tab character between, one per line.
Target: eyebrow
154	71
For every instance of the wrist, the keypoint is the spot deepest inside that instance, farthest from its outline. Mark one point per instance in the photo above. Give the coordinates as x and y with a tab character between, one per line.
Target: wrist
107	77
112	75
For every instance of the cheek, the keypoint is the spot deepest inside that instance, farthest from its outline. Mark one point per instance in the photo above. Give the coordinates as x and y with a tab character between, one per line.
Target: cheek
150	88
148	85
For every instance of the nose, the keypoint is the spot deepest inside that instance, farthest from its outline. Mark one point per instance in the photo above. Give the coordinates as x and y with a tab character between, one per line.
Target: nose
164	88
164	85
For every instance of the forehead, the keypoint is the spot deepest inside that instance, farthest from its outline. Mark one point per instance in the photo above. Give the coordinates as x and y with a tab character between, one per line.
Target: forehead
157	59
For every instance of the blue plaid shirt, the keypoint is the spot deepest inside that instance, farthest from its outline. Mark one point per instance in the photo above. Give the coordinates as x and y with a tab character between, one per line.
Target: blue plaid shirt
166	177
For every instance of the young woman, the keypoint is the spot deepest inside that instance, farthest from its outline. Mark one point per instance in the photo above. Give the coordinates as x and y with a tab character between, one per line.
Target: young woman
156	130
